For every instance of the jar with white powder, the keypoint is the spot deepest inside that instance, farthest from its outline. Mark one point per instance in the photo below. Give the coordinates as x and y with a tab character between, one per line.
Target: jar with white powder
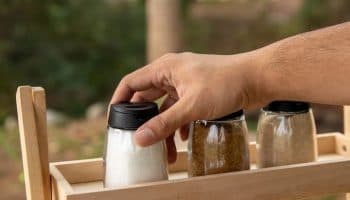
126	163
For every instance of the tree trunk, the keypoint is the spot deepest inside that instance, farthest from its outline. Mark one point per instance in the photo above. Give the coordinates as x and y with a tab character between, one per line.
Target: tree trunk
163	27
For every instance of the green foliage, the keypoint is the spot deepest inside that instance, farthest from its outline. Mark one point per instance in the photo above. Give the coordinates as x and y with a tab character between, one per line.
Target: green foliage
77	49
233	35
9	143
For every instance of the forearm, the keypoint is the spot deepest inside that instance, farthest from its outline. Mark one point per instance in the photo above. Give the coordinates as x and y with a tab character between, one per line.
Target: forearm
313	66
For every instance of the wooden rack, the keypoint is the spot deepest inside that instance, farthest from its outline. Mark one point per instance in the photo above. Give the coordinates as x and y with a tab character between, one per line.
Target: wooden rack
82	179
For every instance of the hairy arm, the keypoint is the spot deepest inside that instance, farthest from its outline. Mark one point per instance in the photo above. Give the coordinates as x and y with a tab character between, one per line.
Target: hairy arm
313	66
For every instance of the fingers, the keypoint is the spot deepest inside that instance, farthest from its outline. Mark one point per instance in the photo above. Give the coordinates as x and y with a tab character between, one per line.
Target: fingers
167	103
164	124
141	79
172	153
148	95
152	75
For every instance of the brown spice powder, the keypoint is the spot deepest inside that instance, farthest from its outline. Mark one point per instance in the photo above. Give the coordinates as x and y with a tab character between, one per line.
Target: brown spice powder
218	147
286	139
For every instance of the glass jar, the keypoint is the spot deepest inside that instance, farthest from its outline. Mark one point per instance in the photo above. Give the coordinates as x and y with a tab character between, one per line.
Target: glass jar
218	146
126	163
286	134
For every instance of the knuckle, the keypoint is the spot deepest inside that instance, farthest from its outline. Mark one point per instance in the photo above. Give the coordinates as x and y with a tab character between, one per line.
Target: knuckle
166	61
126	79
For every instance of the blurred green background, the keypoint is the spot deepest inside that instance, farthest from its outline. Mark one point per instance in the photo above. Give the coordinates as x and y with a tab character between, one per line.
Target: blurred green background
78	50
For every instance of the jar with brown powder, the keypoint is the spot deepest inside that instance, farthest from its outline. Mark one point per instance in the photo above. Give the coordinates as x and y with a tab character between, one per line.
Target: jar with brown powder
218	146
286	134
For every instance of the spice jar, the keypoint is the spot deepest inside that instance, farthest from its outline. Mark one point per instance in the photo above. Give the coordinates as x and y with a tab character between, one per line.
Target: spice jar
126	163
286	134
218	146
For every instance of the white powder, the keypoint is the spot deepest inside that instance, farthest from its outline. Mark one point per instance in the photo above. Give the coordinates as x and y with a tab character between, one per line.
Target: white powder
126	163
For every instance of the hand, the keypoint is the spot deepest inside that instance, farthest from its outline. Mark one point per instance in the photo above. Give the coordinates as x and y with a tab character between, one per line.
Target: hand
196	86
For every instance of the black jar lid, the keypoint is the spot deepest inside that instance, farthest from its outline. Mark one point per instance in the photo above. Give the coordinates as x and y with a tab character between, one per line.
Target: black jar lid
130	116
287	106
230	116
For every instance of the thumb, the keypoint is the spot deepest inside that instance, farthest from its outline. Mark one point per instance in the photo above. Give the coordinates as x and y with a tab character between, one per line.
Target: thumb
163	125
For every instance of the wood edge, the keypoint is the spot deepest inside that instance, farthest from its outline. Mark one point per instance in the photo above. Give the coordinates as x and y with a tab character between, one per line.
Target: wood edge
215	177
346	120
326	143
29	146
343	145
93	170
60	180
39	105
73	162
69	168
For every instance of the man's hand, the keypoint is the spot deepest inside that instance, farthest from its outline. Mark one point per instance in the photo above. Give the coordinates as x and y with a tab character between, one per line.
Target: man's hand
196	86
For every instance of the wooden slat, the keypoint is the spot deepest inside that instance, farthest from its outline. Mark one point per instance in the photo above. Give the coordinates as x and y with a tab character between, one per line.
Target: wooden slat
346	120
343	145
60	186
326	143
29	145
286	182
346	125
39	104
89	170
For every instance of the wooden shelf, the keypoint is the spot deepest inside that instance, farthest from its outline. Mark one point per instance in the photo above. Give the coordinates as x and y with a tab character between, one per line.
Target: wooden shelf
83	179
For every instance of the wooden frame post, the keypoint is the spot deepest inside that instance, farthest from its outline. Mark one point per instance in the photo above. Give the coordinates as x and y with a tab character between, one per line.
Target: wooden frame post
31	108
346	125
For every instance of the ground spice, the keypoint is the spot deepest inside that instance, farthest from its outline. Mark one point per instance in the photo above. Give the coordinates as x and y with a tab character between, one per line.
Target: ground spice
285	139
218	147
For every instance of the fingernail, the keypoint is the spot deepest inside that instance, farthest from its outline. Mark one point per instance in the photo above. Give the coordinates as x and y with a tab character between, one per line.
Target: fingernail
144	137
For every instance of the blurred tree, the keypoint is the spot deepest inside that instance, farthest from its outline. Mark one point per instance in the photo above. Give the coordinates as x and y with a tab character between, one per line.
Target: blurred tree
164	27
77	49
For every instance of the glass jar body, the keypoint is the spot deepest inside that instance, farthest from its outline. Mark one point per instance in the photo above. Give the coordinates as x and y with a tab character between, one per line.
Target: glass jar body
286	138
126	163
218	147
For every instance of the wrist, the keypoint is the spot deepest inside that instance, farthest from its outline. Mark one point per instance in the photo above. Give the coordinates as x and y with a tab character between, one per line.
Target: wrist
260	81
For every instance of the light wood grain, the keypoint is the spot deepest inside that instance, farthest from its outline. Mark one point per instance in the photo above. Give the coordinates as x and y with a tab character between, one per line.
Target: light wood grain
343	148
39	105
97	184
326	143
287	182
346	120
90	170
29	145
60	186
